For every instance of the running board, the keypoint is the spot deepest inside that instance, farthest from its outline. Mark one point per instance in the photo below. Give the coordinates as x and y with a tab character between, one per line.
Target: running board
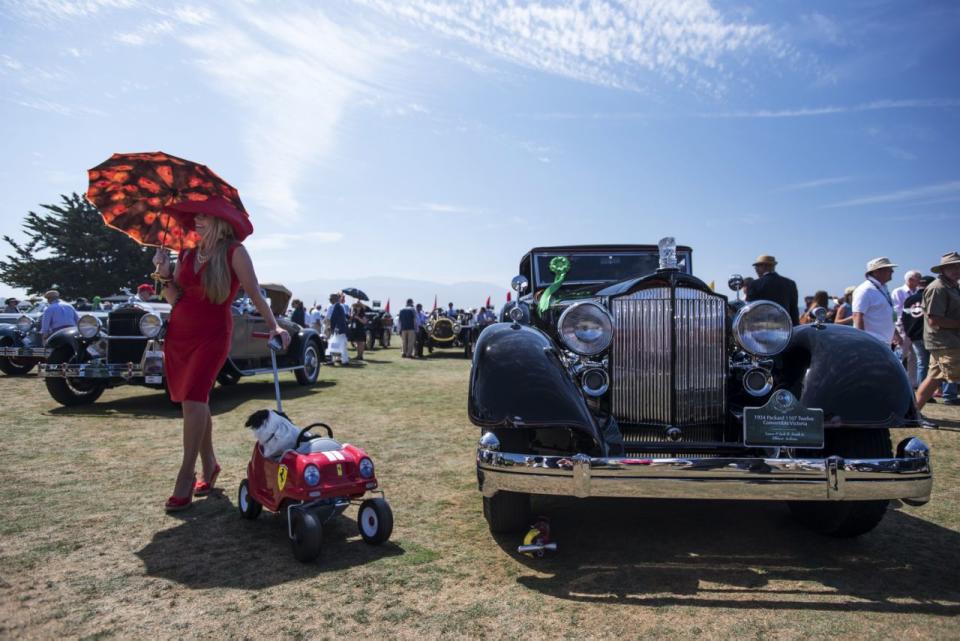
268	370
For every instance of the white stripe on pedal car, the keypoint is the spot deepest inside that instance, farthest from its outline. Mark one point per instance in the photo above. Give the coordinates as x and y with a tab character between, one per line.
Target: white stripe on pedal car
339	455
330	457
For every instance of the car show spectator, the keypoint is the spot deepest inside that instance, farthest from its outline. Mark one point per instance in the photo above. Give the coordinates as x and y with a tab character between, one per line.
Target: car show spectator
358	327
409	324
911	283
337	324
451	312
911	320
96	303
820	301
145	292
10	306
771	286
843	312
421	315
314	318
57	315
941	329
872	304
299	315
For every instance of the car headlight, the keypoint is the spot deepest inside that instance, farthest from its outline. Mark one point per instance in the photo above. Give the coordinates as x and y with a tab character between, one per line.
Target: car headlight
430	327
88	326
150	325
586	328
311	475
366	468
456	328
24	324
762	328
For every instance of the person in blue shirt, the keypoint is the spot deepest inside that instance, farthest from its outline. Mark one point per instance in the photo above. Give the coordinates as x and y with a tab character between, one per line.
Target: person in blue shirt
451	312
338	330
409	324
57	315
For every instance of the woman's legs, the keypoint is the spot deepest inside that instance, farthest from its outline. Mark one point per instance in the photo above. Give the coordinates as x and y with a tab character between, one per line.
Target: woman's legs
207	458
196	417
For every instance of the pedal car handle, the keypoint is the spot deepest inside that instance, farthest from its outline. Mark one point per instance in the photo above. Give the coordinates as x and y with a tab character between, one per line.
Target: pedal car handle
324	426
274	343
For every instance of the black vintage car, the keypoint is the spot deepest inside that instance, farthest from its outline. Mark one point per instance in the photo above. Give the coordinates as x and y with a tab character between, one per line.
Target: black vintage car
620	374
85	360
379	326
443	332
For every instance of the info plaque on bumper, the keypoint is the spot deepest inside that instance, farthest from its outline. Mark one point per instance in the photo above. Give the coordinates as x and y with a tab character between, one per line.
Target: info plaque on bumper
783	422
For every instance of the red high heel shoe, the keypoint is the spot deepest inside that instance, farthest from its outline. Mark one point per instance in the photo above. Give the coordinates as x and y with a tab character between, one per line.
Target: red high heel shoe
203	488
175	504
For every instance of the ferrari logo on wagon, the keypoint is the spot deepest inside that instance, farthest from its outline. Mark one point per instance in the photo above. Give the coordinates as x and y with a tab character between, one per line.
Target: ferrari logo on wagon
281	477
339	469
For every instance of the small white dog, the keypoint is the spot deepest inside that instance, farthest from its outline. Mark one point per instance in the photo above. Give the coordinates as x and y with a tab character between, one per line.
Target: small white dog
274	431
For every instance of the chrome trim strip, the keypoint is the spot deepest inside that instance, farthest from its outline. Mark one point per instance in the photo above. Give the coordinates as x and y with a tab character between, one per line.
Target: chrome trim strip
25	352
813	479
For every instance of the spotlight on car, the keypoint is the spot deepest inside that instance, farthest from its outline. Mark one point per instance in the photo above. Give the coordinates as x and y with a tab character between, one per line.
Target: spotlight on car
88	326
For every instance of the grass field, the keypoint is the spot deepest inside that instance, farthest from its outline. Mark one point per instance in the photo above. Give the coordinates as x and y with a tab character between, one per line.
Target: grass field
86	550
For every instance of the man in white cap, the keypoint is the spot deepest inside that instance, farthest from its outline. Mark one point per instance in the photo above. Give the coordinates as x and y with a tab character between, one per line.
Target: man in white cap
872	304
941	327
911	285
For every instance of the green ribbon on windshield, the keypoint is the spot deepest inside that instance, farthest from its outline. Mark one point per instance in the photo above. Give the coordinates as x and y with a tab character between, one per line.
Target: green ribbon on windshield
559	265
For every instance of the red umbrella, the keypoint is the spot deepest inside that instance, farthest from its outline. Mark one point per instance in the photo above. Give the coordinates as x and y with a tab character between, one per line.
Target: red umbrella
154	197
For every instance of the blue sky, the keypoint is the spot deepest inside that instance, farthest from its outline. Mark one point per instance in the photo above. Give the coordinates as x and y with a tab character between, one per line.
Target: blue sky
440	140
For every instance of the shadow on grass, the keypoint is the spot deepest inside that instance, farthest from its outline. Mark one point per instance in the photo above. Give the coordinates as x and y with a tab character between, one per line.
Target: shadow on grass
740	555
215	547
223	399
455	353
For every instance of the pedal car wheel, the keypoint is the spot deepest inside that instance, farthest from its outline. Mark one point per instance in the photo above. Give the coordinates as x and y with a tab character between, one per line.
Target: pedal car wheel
248	506
307	535
375	521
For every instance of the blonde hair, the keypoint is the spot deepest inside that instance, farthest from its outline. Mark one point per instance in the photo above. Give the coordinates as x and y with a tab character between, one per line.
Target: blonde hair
217	277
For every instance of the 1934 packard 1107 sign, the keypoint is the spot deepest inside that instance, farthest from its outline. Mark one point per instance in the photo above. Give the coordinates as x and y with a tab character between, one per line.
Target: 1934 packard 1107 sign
85	360
618	373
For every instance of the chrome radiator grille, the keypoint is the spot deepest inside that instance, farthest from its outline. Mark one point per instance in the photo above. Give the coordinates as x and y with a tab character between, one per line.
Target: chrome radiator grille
669	360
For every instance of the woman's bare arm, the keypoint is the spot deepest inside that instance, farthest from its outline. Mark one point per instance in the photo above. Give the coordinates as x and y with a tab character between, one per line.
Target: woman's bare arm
243	267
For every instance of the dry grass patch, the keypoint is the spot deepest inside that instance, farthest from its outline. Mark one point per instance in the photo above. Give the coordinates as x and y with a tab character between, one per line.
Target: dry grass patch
86	550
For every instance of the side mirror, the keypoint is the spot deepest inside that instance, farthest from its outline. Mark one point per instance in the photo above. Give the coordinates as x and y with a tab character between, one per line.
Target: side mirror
519	284
735	283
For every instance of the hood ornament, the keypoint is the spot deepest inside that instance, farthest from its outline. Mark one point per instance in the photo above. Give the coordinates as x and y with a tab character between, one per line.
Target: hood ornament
668	253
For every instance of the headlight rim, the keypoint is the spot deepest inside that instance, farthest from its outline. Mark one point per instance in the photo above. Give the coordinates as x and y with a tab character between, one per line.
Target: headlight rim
24	324
738	321
83	328
306	474
159	325
605	313
360	467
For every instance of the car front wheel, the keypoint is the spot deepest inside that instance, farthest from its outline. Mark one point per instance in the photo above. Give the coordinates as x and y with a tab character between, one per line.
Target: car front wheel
13	367
311	365
846	519
375	521
507	512
71	391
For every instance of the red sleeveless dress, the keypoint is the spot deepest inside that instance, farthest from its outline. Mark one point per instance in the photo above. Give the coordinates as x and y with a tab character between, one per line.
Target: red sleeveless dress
198	334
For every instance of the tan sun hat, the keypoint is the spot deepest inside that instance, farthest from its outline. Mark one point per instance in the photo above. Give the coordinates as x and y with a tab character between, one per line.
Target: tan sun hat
880	263
950	258
764	259
849	290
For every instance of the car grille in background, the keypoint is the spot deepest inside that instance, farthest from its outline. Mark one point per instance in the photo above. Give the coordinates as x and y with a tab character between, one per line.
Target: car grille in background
443	329
669	363
124	350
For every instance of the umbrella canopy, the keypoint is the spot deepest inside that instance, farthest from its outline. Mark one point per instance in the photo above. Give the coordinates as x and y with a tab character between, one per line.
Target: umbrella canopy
154	197
355	293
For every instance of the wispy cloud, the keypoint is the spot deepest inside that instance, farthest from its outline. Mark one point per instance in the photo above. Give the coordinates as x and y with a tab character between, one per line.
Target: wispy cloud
814	184
146	34
436	208
928	194
807	112
292	74
601	42
274	242
49	106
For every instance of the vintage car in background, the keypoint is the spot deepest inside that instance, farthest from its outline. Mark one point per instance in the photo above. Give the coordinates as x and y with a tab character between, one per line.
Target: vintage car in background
21	346
620	374
85	360
379	326
442	332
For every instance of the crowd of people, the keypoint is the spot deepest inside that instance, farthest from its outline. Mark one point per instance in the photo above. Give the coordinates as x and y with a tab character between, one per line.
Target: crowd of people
920	320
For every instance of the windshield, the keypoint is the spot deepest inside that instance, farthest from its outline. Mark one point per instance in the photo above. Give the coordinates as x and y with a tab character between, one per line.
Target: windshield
602	267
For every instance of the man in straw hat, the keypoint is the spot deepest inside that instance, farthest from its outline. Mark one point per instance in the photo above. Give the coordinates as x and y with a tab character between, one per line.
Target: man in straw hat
771	286
57	315
941	327
872	304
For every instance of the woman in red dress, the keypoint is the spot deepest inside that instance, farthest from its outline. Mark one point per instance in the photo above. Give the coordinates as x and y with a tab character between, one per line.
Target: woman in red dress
198	334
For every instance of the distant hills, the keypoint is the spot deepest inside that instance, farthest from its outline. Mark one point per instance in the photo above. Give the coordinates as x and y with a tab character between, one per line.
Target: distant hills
398	290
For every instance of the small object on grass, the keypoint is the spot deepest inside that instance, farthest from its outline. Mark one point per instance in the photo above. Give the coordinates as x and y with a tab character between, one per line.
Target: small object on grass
537	541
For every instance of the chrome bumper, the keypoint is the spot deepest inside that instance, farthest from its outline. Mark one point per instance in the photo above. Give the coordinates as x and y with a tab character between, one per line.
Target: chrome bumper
24	352
907	477
87	370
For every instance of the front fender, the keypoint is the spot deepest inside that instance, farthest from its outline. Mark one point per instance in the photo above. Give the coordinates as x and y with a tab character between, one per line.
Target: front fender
855	379
9	331
517	380
68	336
